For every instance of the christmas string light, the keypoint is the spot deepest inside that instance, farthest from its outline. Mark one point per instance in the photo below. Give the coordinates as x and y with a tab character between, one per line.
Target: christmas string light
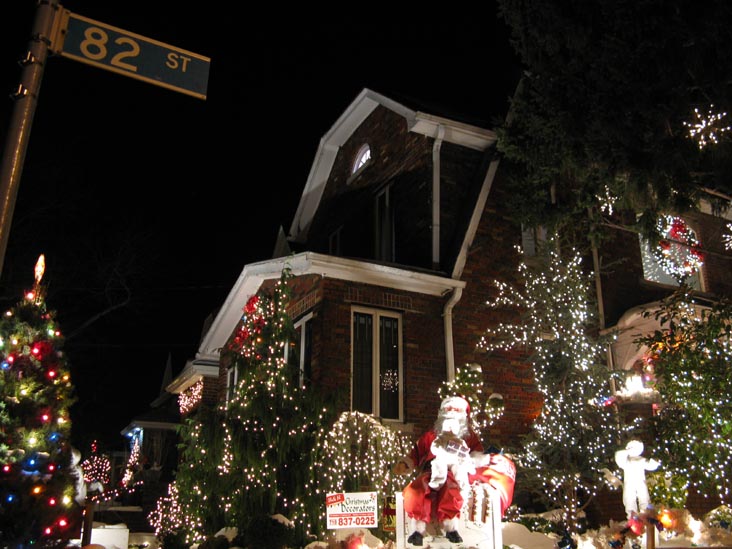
706	129
553	327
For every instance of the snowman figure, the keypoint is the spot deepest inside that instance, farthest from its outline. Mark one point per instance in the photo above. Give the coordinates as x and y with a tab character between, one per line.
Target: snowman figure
635	490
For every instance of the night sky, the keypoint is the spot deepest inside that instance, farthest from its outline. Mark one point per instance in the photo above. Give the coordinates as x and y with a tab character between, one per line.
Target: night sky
131	189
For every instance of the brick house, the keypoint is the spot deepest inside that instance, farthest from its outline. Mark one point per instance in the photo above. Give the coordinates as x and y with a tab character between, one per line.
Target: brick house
395	243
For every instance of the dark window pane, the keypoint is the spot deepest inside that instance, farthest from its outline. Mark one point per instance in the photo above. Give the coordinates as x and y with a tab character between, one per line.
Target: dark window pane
362	362
389	367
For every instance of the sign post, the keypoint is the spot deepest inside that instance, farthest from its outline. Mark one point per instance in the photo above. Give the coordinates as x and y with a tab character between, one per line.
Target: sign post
59	31
21	119
130	54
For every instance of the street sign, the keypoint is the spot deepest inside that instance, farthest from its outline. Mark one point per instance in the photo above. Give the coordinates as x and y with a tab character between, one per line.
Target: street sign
124	52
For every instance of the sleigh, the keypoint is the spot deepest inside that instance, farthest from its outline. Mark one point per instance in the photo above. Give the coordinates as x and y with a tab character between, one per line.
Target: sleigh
480	522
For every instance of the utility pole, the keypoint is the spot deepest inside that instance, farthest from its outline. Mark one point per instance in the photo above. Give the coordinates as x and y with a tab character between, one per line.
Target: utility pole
26	98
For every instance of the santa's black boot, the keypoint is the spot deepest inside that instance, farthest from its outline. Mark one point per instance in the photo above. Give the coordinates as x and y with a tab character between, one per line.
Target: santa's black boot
415	539
454	537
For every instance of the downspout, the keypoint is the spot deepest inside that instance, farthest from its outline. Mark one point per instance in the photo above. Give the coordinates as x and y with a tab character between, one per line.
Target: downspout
447	316
601	304
436	196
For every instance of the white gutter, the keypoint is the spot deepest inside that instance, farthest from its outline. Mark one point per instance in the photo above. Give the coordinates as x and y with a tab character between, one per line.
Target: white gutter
457	293
436	196
194	371
304	263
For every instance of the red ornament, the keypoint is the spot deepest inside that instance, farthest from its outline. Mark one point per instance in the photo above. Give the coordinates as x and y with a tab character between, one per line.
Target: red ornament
251	305
41	349
678	228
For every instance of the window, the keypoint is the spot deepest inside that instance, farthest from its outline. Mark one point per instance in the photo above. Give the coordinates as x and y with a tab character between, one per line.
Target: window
300	353
384	226
362	158
532	238
232	378
334	242
376	363
676	257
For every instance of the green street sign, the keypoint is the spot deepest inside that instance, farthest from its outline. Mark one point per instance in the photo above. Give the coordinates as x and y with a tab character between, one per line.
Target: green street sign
124	52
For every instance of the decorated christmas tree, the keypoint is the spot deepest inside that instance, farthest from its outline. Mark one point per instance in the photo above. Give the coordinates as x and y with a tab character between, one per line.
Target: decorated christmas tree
271	421
485	409
252	458
575	436
37	485
97	469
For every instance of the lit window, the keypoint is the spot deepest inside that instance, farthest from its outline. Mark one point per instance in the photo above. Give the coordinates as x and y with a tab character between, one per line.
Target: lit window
362	158
376	375
676	257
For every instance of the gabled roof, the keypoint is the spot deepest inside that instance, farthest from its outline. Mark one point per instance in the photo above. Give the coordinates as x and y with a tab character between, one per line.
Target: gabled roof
365	103
254	274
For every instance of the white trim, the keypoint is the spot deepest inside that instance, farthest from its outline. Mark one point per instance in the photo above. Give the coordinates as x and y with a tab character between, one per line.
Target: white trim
254	274
142	425
632	324
354	115
365	103
194	371
466	135
475	218
376	314
300	324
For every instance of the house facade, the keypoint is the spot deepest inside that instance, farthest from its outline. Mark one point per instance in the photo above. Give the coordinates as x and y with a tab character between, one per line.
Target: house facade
393	249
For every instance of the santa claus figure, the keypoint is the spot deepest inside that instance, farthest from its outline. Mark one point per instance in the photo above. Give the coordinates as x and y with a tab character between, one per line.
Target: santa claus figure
449	457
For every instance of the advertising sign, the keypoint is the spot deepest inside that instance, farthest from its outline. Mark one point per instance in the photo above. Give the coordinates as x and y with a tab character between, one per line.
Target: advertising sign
354	510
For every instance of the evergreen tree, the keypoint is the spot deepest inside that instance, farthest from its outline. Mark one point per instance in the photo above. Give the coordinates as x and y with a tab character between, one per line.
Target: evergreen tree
596	118
469	383
692	360
194	506
37	487
251	458
356	454
575	435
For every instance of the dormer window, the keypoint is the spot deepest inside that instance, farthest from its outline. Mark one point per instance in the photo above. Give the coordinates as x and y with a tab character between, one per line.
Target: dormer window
362	158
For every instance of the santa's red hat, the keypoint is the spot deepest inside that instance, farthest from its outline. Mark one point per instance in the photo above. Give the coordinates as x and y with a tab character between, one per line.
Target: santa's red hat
455	404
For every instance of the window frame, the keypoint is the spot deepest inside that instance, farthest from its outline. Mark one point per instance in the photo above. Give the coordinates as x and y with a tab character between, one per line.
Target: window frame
304	361
376	315
361	160
232	380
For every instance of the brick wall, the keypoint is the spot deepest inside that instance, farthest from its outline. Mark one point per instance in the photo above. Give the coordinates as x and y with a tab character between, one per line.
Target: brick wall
422	330
493	257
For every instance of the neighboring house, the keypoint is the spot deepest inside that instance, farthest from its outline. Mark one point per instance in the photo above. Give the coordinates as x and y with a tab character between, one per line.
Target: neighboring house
394	246
152	434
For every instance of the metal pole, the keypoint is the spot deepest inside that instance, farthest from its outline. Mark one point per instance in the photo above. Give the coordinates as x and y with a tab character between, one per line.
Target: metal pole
21	119
88	523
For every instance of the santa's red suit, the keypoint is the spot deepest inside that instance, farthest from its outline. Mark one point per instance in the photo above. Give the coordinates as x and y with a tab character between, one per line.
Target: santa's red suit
423	503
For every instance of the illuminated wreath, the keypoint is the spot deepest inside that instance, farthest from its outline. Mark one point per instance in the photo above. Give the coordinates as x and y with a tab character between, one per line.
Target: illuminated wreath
677	252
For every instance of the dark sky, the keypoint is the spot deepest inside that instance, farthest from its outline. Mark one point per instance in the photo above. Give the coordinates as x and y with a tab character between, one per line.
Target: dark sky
128	185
